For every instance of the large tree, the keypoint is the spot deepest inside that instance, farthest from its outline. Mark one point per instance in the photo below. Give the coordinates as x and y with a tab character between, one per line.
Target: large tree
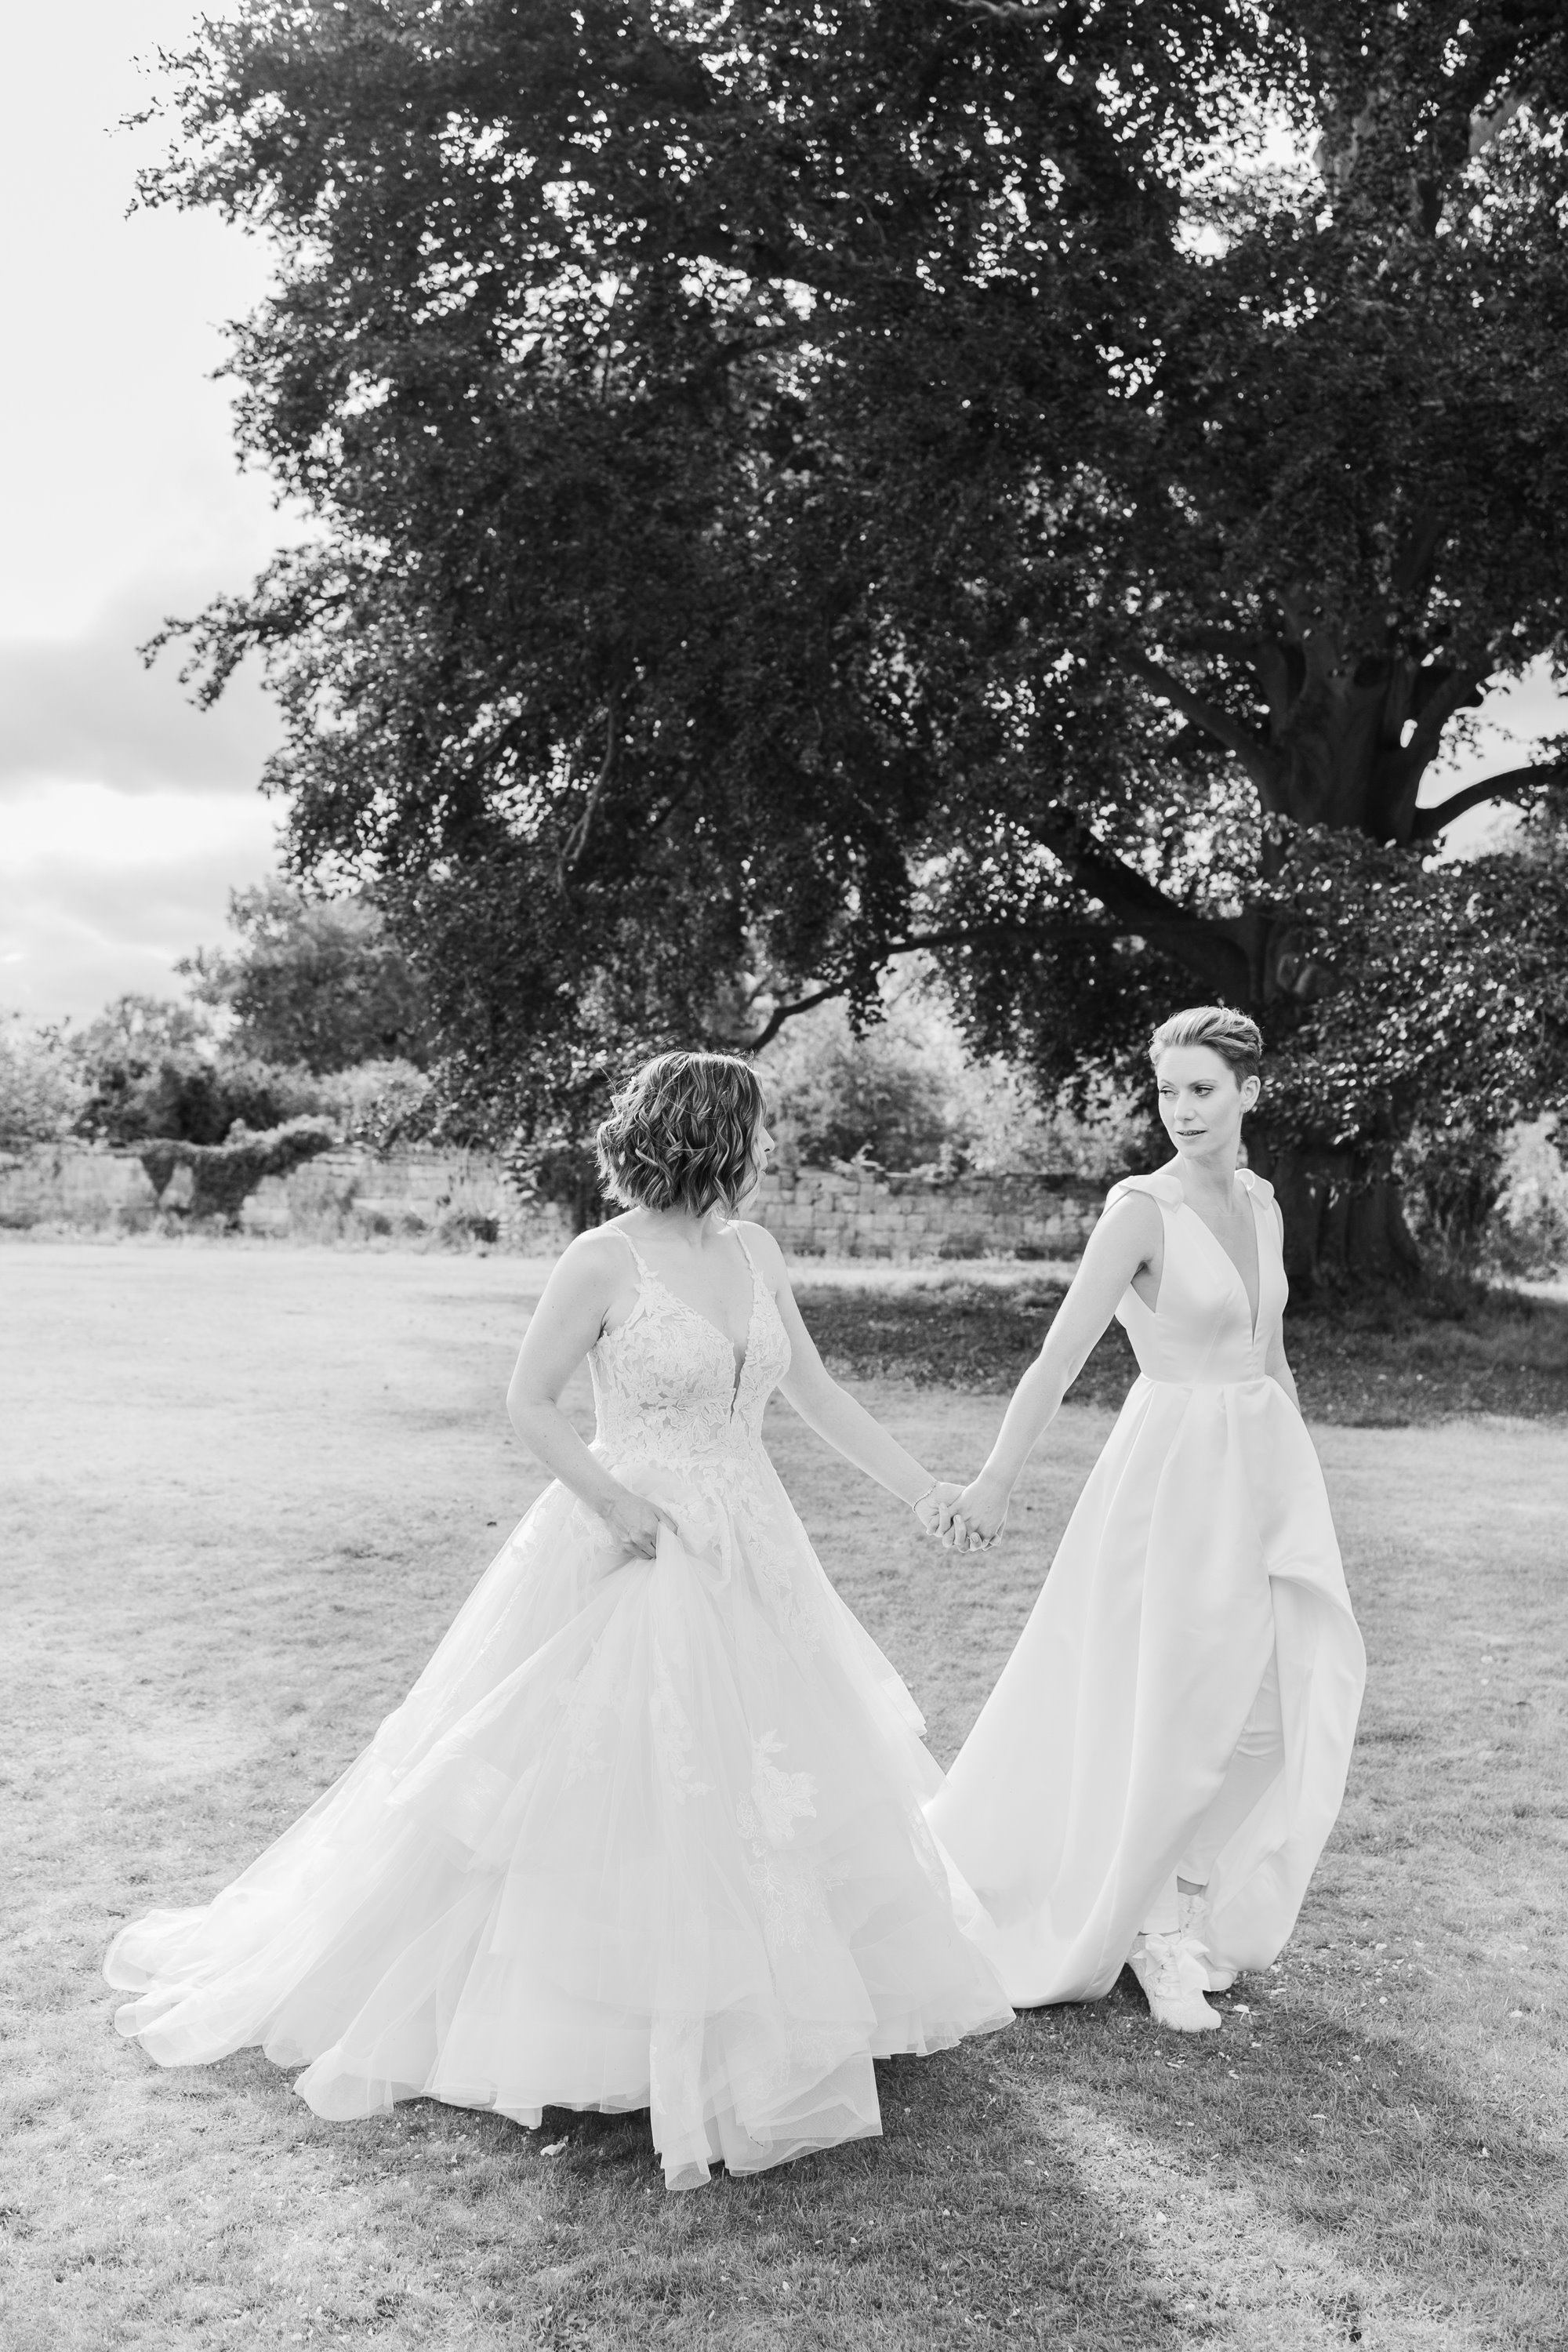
1044	482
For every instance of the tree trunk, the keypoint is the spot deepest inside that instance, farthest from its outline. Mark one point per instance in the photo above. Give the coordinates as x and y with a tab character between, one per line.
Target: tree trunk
1339	1233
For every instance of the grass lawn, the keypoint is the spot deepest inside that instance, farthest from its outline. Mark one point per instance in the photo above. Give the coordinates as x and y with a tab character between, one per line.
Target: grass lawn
1379	1362
244	1491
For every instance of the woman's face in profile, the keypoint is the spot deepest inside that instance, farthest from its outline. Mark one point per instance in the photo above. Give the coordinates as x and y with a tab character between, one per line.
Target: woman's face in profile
762	1145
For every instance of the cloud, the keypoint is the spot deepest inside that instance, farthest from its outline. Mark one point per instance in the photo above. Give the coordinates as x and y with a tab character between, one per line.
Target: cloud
103	892
84	709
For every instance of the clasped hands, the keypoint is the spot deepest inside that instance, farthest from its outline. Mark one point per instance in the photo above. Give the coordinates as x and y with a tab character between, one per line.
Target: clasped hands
965	1519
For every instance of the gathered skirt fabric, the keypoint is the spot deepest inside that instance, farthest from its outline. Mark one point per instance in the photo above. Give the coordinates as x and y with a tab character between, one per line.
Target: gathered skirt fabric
644	1834
1198	1574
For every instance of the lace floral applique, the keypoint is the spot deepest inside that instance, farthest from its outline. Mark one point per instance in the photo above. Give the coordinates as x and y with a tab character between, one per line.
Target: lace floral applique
585	1724
779	1799
768	1557
664	1380
788	1896
782	1579
672	1733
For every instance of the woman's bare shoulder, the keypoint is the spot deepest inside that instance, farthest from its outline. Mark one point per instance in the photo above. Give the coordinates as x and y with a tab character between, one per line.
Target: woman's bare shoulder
601	1255
763	1250
1133	1212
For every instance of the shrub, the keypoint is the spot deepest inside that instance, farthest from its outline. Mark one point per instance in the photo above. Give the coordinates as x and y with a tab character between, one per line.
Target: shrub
223	1174
1528	1236
878	1098
380	1104
908	1094
148	1068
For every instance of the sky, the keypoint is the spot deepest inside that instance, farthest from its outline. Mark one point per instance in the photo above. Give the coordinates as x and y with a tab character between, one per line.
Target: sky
126	816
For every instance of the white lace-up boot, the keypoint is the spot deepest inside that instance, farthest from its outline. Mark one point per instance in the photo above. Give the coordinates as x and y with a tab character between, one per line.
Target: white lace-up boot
1174	1978
1194	1913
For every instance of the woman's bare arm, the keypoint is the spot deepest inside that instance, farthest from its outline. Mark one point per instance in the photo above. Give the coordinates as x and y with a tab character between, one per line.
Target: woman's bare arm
567	1322
820	1400
1127	1238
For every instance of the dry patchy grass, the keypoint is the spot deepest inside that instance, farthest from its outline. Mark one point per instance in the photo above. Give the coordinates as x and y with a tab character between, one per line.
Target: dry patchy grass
244	1492
1381	1362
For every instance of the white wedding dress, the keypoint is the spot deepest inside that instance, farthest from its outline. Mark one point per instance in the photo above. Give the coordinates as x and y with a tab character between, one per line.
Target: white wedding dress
1183	1701
643	1833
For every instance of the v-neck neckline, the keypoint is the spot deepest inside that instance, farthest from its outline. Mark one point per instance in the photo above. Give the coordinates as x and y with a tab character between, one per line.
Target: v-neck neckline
743	1357
1254	1314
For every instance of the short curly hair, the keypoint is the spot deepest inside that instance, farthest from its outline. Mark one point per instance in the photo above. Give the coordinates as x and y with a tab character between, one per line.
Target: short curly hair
681	1133
1234	1036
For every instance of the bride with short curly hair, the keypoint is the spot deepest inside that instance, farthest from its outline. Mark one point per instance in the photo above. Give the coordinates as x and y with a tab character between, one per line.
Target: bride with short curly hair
648	1832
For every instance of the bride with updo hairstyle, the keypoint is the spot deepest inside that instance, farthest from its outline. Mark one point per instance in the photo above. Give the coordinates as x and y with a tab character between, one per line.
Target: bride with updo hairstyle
1154	1776
649	1830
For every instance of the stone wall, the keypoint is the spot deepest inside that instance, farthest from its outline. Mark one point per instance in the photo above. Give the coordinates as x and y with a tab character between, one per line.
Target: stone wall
69	1184
841	1212
466	1199
463	1197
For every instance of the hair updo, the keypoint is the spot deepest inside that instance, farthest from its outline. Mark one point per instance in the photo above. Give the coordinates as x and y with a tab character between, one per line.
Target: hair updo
1234	1036
681	1133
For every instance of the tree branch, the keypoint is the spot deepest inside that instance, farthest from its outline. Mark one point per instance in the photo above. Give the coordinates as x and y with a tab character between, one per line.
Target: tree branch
956	935
1430	821
1418	551
782	1012
1208	950
577	839
1215	953
1250	748
1435	712
1012	12
1232	643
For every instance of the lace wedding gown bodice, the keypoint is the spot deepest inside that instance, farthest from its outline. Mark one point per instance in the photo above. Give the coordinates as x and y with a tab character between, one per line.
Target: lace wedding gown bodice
666	1387
644	1833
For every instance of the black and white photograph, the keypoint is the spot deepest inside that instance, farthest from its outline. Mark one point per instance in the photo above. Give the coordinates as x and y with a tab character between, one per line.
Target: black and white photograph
784	1176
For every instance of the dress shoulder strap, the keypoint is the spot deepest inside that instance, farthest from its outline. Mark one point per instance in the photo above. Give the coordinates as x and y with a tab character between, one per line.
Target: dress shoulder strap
746	1246
1262	1190
645	1271
1161	1187
758	1277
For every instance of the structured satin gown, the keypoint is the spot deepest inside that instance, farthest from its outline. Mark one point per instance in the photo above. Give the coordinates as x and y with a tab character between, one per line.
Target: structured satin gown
643	1833
1182	1700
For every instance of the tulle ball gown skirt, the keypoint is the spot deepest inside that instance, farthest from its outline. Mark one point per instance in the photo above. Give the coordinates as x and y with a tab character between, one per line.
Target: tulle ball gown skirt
644	1834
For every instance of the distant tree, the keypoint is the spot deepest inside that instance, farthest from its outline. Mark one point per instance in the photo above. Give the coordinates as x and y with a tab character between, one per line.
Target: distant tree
877	1097
797	486
144	1067
316	982
41	1092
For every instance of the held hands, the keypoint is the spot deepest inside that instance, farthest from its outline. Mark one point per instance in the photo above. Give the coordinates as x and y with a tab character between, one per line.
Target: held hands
634	1521
930	1508
971	1518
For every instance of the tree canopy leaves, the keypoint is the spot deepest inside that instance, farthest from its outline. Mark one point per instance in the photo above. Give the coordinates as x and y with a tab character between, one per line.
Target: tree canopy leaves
795	483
